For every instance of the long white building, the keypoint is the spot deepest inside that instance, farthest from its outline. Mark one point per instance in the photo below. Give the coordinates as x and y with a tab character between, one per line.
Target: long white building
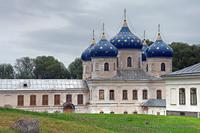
183	92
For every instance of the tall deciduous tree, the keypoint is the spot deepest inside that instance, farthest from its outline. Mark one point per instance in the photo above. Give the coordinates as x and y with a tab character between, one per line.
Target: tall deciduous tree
6	71
76	69
47	67
24	68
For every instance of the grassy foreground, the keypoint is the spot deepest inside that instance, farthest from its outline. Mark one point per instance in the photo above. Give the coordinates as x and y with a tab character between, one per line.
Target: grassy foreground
101	123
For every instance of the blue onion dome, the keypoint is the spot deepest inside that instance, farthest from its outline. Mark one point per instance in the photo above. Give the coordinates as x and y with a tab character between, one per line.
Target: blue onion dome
103	49
159	49
86	55
125	39
144	49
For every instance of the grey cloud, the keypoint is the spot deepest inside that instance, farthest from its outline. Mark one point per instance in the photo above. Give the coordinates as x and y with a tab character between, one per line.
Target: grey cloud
62	28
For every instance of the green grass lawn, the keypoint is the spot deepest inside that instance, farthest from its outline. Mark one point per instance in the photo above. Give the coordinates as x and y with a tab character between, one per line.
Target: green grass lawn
101	123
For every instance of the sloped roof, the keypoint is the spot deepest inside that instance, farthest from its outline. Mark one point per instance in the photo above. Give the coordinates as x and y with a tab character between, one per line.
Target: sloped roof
155	103
191	70
42	84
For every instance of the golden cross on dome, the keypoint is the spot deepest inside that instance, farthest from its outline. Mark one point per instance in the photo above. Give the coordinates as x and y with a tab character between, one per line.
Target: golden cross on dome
159	29
93	34
144	34
159	36
103	34
124	14
93	38
103	29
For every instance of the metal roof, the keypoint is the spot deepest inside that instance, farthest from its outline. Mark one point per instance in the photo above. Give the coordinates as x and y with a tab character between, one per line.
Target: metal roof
191	70
155	103
42	84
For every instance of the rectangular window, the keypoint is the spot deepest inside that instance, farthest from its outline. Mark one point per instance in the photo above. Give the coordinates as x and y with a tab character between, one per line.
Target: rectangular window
33	100
135	96
56	99
159	94
101	94
193	96
145	94
45	100
182	96
125	95
80	99
69	98
20	100
112	95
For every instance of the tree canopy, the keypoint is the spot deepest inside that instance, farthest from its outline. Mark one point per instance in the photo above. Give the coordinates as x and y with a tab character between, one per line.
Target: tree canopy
47	67
24	68
76	69
6	71
184	55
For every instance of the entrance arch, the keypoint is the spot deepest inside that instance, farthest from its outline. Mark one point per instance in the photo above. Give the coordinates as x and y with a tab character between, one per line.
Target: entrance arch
68	108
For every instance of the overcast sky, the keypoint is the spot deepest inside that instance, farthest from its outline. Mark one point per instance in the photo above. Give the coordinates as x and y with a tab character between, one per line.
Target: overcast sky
63	28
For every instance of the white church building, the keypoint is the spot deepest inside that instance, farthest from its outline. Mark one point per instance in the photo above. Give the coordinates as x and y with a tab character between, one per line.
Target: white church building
122	75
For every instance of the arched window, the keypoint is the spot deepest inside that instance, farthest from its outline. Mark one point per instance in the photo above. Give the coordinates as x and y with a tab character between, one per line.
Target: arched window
129	62
106	67
182	96
162	66
101	94
159	94
193	96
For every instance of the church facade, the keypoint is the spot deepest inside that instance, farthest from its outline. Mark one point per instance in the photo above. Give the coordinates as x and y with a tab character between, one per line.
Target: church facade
122	75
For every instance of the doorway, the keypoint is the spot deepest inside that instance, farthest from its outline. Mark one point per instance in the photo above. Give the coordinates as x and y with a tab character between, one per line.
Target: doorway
68	108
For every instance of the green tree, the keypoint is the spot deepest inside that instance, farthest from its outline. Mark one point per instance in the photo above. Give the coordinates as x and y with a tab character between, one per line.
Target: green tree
6	71
47	67
76	69
184	55
24	68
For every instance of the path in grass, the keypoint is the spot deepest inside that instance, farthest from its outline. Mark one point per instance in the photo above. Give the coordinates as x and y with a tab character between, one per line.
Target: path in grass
104	122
